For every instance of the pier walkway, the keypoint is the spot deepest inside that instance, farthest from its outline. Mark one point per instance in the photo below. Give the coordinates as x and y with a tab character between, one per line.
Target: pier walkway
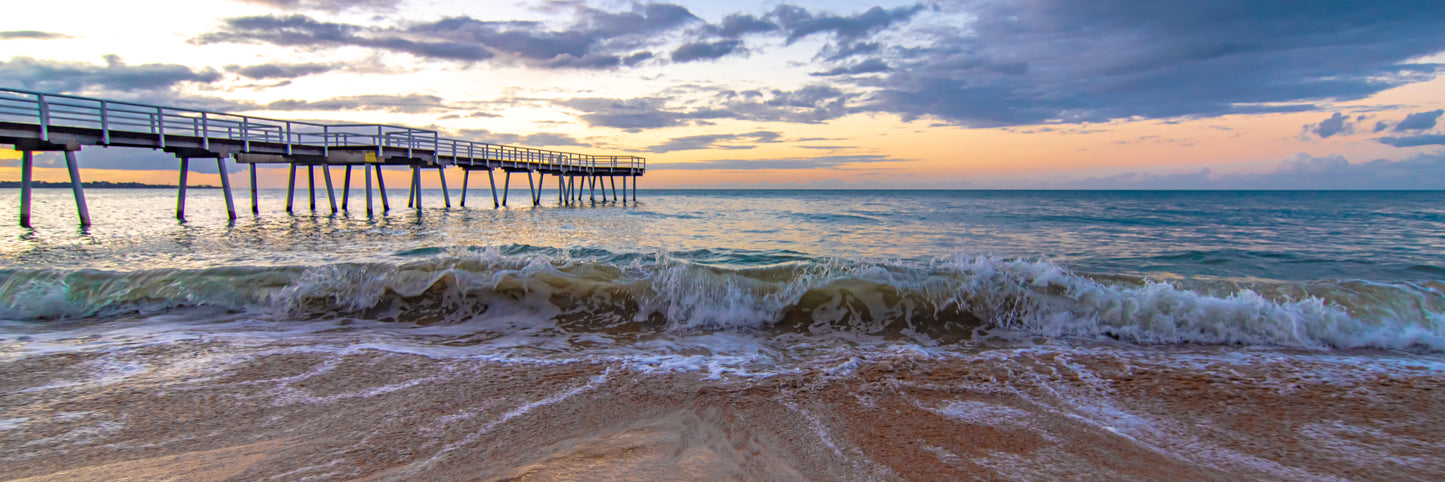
38	121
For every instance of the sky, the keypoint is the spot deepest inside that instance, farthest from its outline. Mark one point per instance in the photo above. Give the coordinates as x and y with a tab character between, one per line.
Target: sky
1106	94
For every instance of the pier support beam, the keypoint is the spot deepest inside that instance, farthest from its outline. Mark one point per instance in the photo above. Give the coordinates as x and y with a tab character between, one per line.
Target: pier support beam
531	190
291	188
311	185
345	187
381	189
614	187
559	188
442	174
366	173
506	186
255	208
466	176
181	192
330	194
624	190
226	186
634	189
493	182
75	188
416	184
27	164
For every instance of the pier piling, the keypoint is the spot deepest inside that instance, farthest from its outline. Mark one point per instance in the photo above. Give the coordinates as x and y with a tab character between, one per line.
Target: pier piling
181	190
311	185
366	172
416	184
27	164
255	208
531	190
441	174
75	188
291	189
493	181
345	187
226	186
381	189
506	186
330	194
466	176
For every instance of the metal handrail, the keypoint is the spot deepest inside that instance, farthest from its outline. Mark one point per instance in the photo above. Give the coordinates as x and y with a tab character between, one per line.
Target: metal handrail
61	110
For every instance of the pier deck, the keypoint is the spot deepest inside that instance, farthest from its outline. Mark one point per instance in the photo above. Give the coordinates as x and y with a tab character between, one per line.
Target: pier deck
37	121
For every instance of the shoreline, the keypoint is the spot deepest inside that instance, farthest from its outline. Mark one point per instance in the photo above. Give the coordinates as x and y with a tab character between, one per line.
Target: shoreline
212	410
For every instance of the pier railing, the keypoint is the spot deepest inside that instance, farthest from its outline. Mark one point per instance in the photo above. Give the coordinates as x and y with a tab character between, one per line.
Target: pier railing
49	111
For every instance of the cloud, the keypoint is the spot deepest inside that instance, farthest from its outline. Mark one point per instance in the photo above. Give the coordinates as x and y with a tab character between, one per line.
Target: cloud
115	75
1336	124
705	50
1043	61
798	23
809	104
870	66
824	162
32	34
332	6
540	139
595	39
737	24
1414	141
405	104
281	71
717	141
303	31
1419	121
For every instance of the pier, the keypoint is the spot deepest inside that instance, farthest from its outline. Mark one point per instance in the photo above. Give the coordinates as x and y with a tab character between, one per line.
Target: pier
42	122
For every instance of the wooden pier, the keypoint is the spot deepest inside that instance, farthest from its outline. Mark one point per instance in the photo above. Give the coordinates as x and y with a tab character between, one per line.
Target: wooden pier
37	121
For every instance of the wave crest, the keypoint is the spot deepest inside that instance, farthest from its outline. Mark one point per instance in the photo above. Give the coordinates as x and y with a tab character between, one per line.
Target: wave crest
947	299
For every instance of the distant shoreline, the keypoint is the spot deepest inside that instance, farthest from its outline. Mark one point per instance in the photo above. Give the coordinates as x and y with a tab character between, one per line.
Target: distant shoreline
101	185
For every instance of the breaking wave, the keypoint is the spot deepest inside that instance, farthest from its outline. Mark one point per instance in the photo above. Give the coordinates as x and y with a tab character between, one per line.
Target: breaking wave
947	299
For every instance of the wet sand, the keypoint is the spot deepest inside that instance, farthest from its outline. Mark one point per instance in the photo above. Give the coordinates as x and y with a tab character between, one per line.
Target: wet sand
209	411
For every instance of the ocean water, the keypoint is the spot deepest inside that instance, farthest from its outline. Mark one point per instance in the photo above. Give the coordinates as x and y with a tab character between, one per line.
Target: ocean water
729	334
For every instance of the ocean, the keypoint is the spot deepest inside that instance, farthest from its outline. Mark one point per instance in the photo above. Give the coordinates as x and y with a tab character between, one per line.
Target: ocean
728	334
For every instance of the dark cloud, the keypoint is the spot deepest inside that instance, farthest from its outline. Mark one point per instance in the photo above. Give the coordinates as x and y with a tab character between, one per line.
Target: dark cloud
596	39
737	25
1302	172
1419	121
540	139
824	162
797	22
1067	61
114	76
705	50
1414	141
281	71
870	66
1336	124
406	104
332	6
1381	126
302	31
32	34
717	141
